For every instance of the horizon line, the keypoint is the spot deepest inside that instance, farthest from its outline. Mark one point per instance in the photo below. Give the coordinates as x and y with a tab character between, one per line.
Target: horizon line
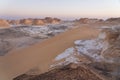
60	17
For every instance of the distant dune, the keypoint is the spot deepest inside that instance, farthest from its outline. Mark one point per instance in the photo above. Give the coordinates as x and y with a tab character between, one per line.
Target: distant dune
42	54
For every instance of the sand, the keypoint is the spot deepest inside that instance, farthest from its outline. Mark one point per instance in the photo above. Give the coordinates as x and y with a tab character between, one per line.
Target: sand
41	54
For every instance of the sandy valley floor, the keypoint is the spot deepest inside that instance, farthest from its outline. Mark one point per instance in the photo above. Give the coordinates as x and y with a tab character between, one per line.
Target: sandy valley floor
42	54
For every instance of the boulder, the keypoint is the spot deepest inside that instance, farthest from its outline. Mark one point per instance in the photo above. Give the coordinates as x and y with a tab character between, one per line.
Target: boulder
26	21
52	20
38	22
56	21
48	20
4	23
14	22
111	54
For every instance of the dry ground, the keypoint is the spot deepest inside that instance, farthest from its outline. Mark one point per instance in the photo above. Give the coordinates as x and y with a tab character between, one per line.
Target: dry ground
41	54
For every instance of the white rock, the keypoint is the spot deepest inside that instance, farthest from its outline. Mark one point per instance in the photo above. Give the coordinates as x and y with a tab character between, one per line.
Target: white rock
65	54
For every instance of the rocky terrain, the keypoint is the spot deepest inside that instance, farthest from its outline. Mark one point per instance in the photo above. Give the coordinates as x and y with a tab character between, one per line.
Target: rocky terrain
50	20
29	22
35	60
101	53
4	23
117	20
69	72
23	36
87	20
98	59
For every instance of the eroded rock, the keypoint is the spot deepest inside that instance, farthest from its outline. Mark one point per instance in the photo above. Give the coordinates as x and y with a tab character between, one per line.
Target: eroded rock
4	23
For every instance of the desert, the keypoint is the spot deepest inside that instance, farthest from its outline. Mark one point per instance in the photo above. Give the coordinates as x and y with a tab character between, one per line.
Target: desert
30	56
59	39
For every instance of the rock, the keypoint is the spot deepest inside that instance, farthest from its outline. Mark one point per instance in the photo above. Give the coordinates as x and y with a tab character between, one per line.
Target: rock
14	22
64	73
52	20
109	70
48	19
4	23
83	20
26	21
56	21
38	22
87	20
29	21
73	66
111	55
113	20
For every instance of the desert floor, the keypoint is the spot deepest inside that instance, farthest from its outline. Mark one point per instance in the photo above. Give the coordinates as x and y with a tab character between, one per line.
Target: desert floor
41	54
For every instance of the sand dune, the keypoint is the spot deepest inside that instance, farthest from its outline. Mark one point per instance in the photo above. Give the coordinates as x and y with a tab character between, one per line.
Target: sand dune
41	54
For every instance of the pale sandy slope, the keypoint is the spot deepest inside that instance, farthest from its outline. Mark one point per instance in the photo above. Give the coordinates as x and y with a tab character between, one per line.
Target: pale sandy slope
42	54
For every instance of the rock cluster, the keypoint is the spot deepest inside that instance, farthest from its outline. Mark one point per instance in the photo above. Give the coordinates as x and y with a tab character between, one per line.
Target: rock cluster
4	23
87	20
103	53
110	63
113	20
30	21
97	59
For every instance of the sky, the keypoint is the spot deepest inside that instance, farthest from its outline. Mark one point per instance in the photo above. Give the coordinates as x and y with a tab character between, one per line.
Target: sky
60	8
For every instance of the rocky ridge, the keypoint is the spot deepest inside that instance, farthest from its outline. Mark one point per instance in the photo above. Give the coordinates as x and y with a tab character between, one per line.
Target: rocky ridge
50	20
